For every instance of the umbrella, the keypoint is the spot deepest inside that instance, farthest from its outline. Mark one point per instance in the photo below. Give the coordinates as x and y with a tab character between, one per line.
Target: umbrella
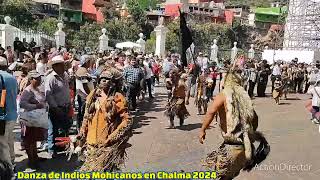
127	44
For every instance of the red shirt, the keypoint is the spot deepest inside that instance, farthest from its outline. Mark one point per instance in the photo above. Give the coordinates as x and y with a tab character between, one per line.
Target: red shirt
213	75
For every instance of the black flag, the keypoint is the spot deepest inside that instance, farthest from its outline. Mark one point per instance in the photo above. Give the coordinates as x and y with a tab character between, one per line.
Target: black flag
186	38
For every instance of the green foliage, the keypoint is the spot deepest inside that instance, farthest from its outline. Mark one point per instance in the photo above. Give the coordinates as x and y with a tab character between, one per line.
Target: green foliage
88	36
238	33
47	25
110	13
204	34
254	3
151	43
138	14
207	32
173	43
19	11
122	30
146	4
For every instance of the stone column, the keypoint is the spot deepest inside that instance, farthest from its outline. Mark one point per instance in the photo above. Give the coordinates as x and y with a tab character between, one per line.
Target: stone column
104	40
60	36
142	43
251	52
161	33
234	52
7	33
214	52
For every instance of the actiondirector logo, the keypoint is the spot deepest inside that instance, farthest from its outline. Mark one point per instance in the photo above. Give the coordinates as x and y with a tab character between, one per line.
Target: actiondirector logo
284	167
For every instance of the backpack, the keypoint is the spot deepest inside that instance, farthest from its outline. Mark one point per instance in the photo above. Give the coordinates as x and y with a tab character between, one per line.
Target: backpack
3	91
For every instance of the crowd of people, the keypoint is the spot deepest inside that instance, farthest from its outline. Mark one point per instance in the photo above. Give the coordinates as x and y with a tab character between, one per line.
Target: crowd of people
103	87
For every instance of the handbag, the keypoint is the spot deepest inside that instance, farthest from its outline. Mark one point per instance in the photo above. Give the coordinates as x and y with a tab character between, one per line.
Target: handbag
35	118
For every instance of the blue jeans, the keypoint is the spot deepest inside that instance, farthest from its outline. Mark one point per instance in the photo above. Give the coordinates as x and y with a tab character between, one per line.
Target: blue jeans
50	137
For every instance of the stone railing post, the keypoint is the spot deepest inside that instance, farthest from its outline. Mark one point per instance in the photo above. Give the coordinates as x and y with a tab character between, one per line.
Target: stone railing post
214	52
251	52
104	40
234	52
142	43
60	36
161	33
7	33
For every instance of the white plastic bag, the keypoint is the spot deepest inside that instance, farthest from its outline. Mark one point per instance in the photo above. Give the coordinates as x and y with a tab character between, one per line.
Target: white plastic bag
35	118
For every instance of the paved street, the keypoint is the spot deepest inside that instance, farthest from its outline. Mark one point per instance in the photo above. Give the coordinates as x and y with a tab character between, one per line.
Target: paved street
293	138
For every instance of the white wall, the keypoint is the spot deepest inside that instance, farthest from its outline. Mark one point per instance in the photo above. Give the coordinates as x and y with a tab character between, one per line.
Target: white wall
288	55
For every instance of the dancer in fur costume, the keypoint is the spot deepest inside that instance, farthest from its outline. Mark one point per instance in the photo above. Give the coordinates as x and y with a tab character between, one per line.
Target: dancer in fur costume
201	99
171	79
107	125
238	123
277	91
176	106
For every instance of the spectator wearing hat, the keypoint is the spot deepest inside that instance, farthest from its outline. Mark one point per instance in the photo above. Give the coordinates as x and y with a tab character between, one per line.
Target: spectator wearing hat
8	114
58	97
84	85
32	98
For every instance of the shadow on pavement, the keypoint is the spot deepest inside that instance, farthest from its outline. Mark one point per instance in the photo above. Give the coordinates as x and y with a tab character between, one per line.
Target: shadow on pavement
293	99
58	164
148	106
189	127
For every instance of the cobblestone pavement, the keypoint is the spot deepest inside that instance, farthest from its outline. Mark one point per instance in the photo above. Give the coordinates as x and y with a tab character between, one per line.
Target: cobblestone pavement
294	141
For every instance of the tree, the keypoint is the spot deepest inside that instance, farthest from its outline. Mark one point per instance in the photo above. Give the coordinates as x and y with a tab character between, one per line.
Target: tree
203	36
122	30
138	14
173	42
136	11
47	25
19	11
151	43
147	4
88	36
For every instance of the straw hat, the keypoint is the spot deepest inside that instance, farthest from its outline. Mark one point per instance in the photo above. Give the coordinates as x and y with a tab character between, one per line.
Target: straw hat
34	74
57	60
28	53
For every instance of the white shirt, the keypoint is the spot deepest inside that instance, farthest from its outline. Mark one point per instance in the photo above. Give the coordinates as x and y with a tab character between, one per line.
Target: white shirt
36	57
148	72
204	63
80	89
41	68
315	92
276	71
